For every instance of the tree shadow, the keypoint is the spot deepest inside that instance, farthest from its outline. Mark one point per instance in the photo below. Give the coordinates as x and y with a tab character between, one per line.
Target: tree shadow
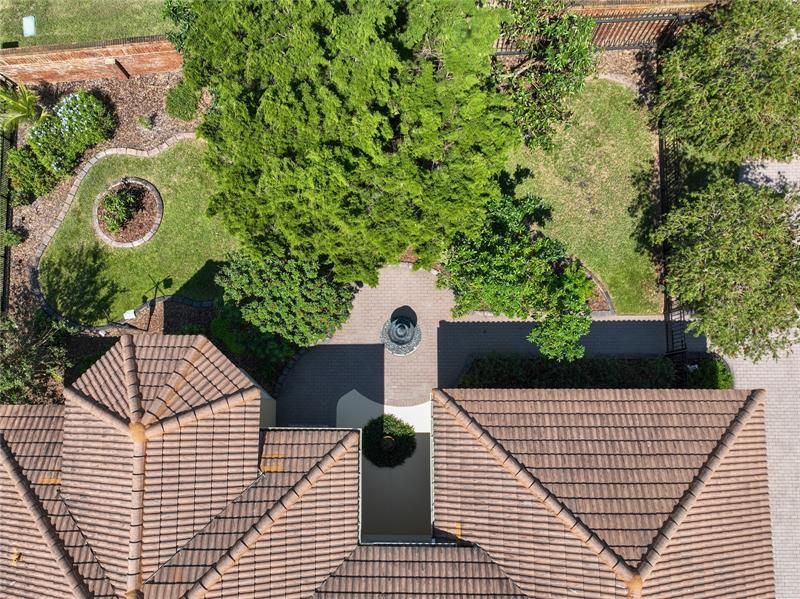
646	212
647	71
78	287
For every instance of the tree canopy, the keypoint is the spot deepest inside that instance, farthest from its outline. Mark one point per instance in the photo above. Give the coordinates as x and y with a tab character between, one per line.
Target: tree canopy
729	88
511	268
349	131
734	261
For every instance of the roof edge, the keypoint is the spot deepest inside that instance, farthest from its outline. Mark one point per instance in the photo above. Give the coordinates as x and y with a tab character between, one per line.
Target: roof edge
523	476
42	521
690	496
279	509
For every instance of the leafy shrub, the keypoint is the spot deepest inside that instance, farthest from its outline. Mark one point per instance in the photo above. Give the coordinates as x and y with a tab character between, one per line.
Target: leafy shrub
388	441
516	371
266	354
182	101
709	372
30	358
733	262
558	58
509	270
29	178
729	87
182	16
294	299
78	122
118	209
11	237
19	105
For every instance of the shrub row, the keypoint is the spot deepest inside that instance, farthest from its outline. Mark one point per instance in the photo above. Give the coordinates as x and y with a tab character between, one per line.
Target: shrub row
56	144
515	371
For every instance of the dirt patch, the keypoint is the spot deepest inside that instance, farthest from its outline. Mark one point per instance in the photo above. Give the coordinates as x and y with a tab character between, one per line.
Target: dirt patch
598	302
144	217
129	99
635	69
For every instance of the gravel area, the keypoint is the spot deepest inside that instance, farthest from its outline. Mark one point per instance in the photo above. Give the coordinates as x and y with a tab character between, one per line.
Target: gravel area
129	99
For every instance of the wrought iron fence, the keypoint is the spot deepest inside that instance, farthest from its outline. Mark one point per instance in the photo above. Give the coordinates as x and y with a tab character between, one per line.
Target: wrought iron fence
7	140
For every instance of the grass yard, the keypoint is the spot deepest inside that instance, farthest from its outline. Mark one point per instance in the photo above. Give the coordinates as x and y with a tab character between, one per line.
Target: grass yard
589	182
68	21
92	283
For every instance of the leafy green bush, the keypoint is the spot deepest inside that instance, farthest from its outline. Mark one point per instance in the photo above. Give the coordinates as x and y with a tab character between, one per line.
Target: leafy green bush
118	209
30	358
709	372
516	371
294	299
508	269
181	14
19	105
733	262
558	58
11	237
29	178
181	102
388	441
78	122
729	86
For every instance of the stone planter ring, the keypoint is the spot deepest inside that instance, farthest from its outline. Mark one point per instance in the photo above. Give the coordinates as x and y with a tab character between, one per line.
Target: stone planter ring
128	182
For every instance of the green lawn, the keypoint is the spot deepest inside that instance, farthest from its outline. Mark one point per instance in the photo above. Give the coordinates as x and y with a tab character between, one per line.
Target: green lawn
589	180
67	21
92	283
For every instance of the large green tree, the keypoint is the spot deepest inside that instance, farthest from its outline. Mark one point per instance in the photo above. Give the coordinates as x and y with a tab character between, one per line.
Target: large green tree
510	267
349	131
730	88
734	261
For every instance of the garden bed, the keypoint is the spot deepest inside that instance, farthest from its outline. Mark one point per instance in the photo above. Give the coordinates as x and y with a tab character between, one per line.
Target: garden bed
130	99
93	284
597	175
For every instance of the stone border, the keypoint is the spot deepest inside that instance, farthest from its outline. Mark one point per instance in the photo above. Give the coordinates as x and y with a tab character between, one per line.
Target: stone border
84	169
98	230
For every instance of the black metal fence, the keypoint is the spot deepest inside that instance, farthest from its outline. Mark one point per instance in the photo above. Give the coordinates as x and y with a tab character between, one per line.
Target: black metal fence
7	140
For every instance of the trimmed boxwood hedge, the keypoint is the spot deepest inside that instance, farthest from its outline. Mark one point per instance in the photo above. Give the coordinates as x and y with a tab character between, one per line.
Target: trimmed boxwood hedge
405	441
517	371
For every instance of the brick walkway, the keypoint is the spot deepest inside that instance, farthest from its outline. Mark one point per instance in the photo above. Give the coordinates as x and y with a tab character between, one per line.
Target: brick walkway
354	360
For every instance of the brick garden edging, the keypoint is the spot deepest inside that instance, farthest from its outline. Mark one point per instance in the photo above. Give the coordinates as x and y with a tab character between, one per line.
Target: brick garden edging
84	169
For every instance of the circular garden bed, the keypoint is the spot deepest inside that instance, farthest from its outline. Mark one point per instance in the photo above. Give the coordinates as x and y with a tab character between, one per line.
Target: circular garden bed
128	213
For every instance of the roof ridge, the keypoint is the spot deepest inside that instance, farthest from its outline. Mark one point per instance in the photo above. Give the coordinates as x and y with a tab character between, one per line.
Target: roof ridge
695	488
131	371
42	521
522	475
177	378
279	509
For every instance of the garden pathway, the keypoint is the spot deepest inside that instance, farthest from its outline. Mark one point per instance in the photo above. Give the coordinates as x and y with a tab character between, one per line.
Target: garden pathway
354	367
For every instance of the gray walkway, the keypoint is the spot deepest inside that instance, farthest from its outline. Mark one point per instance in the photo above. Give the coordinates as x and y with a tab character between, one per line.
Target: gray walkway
354	360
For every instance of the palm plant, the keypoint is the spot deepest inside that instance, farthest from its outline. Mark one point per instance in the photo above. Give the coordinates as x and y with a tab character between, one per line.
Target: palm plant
20	105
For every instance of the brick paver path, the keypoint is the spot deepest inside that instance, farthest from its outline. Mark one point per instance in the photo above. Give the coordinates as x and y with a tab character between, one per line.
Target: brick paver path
354	359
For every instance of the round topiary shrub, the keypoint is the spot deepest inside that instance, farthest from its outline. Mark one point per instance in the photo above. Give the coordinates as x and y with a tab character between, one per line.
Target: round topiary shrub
388	441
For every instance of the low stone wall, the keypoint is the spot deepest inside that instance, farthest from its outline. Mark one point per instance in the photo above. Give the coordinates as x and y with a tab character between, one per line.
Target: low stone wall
119	59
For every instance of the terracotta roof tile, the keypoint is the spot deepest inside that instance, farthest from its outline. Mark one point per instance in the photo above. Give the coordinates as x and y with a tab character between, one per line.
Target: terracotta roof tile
631	466
421	571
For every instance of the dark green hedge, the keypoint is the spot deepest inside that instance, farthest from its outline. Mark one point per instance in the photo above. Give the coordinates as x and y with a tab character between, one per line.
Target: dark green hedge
372	441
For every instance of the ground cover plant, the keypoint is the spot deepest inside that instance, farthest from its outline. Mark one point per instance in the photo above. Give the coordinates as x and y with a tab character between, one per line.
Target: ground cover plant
118	208
181	101
91	282
388	441
71	21
733	263
728	88
589	179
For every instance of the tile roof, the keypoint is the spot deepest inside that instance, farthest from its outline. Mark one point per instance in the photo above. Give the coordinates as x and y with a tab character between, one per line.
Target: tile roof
585	489
421	571
153	481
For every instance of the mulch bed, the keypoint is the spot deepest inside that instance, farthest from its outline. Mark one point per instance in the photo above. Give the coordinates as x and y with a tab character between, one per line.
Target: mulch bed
143	218
132	98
